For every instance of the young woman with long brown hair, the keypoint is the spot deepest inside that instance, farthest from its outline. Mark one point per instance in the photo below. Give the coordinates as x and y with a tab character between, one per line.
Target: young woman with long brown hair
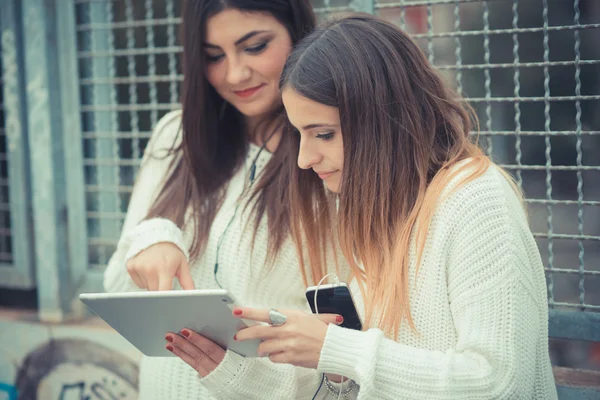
445	269
207	207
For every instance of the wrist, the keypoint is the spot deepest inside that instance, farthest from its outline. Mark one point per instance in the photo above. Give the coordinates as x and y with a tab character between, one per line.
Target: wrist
335	378
154	231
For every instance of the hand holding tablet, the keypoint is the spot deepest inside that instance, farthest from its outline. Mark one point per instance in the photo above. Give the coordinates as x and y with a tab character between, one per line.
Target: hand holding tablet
144	318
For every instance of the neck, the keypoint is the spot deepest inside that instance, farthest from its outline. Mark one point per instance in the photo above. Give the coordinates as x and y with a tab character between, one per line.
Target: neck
262	132
252	124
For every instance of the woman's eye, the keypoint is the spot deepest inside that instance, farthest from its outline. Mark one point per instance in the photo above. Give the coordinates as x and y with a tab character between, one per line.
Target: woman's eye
213	59
258	48
325	136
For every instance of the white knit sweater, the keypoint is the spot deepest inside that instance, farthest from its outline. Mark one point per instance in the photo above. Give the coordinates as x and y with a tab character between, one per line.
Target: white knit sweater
242	270
479	306
479	302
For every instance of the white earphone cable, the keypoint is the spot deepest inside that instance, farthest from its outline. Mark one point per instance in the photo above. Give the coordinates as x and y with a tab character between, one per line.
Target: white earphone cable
336	281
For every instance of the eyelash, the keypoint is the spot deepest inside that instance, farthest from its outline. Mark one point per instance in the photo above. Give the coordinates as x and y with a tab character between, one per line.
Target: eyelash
258	48
251	50
213	59
325	136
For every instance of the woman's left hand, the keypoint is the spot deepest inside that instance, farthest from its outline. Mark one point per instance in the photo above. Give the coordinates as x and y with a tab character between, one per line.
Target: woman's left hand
298	341
198	352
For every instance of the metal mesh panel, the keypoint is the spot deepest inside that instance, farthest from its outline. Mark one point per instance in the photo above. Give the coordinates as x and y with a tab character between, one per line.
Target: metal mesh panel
6	256
530	69
129	76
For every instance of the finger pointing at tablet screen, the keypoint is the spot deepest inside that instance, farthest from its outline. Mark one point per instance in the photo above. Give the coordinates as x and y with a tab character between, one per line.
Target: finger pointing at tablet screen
155	267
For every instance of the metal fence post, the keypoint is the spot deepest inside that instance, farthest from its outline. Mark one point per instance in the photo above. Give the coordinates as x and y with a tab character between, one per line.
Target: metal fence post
102	117
73	147
45	127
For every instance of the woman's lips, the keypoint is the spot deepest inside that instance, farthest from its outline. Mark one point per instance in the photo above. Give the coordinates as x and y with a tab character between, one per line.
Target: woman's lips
248	92
325	175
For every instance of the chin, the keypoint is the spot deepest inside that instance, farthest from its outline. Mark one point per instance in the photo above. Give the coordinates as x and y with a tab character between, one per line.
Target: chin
257	108
253	112
334	188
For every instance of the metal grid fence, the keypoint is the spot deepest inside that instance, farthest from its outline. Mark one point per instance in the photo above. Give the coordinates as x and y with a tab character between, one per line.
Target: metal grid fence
16	268
128	58
531	70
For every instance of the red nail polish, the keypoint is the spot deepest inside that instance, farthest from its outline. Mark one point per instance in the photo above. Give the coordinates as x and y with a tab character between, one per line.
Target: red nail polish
339	319
234	337
237	312
169	338
170	348
185	333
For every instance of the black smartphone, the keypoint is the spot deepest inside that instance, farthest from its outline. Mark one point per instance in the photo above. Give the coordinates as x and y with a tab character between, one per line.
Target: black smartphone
335	299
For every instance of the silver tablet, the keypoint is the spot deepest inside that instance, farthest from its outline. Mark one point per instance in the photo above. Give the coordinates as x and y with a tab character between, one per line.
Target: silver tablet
144	318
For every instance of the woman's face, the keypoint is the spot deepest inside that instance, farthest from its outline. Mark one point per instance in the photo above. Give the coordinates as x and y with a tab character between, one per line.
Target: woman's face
245	54
321	144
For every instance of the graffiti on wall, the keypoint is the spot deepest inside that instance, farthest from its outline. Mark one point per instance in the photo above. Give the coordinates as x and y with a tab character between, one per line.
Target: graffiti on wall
73	369
7	392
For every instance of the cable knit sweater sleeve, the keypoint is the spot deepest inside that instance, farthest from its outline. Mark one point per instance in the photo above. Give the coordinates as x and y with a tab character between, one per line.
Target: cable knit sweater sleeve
497	304
139	234
237	377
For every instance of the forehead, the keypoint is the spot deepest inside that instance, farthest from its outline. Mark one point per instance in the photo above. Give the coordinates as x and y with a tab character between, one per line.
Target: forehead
302	111
229	25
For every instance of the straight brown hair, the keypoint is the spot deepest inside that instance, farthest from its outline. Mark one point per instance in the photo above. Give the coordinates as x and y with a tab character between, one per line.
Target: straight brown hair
214	142
406	137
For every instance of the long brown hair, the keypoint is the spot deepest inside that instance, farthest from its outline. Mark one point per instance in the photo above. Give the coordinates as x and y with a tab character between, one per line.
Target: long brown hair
214	142
406	136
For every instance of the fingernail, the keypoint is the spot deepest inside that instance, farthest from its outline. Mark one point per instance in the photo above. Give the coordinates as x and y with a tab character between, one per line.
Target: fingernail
237	311
170	348
234	337
169	338
185	333
339	319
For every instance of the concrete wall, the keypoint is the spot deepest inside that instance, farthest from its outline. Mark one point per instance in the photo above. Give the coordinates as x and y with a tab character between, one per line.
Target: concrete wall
70	361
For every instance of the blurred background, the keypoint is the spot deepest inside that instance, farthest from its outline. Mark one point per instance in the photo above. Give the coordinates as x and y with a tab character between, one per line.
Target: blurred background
84	81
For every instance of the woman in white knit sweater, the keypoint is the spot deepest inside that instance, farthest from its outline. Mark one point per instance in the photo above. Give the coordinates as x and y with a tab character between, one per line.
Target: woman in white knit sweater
446	272
208	189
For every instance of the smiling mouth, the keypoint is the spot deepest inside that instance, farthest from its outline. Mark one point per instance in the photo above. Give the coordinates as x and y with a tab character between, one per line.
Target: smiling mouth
248	92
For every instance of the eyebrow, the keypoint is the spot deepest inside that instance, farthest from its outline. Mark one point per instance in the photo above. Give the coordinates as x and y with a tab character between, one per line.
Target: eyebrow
240	40
313	126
